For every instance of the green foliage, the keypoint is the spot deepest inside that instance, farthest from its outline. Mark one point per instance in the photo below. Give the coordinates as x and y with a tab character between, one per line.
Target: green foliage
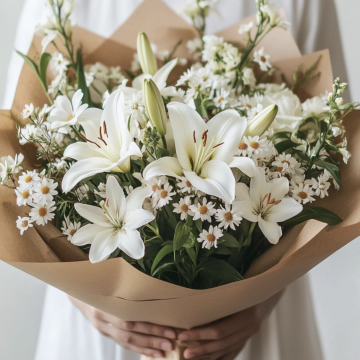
316	213
80	74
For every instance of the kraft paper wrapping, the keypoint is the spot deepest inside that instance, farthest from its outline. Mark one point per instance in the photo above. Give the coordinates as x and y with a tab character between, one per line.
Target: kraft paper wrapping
114	285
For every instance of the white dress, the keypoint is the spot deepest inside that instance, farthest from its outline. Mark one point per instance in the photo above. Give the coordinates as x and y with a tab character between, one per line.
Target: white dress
291	331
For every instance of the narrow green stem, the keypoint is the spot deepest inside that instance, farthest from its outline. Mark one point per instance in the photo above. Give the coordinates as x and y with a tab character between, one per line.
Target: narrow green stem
164	142
130	179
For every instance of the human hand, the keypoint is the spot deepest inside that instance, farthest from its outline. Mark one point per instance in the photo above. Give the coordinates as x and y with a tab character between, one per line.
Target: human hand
225	338
143	338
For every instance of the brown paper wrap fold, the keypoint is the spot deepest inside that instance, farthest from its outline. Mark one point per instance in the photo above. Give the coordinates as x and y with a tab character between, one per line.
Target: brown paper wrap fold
115	286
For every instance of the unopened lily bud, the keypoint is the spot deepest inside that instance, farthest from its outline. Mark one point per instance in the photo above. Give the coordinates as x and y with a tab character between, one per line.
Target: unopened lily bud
339	101
146	55
330	97
154	106
262	121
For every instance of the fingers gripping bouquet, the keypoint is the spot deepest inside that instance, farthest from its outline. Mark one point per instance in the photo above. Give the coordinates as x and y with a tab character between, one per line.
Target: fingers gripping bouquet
188	183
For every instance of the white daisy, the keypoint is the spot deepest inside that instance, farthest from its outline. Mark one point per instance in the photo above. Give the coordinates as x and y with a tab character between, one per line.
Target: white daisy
23	196
286	164
221	100
262	59
45	191
228	216
27	112
23	223
10	166
321	185
102	190
210	238
188	75
246	28
183	208
165	195
250	145
303	193
82	192
28	179
59	64
100	71
185	185
204	210
70	228
42	213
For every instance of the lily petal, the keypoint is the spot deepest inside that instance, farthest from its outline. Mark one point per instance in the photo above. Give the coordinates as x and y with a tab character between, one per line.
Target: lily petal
137	218
246	207
271	230
116	198
216	179
90	120
285	210
242	192
164	166
83	169
162	74
82	151
93	214
104	244
76	100
186	123
258	186
131	244
228	128
136	199
138	81
279	188
86	234
245	164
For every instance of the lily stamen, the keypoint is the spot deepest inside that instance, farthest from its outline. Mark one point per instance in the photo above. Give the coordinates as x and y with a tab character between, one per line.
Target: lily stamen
217	145
87	140
194	137
101	138
105	129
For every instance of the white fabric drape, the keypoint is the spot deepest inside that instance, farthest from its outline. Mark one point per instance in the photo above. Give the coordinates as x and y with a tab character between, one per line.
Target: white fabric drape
291	331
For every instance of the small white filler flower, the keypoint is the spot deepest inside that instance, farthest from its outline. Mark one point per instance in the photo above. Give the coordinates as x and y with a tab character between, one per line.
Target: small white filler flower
210	238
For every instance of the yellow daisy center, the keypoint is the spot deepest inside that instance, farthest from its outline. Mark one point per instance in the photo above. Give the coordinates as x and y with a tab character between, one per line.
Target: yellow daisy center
25	194
228	216
28	178
210	237
24	223
42	211
45	189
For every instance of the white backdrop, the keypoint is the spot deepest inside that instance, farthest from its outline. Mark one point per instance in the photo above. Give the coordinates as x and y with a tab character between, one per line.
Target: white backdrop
21	296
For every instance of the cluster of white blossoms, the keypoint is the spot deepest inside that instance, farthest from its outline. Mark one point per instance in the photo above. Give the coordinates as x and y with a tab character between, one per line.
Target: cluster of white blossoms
37	192
10	167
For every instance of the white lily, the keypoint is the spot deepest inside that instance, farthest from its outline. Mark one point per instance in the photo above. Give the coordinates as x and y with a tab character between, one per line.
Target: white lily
205	151
66	113
115	224
108	145
266	204
159	79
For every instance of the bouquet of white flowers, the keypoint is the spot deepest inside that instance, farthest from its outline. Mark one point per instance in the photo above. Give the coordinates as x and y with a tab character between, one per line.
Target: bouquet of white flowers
188	183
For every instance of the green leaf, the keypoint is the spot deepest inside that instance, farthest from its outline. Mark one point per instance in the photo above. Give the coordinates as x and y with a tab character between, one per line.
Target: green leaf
161	254
316	213
285	145
219	271
81	80
333	169
190	241
282	135
44	62
223	251
192	255
198	224
31	63
162	152
182	233
229	241
164	267
130	74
